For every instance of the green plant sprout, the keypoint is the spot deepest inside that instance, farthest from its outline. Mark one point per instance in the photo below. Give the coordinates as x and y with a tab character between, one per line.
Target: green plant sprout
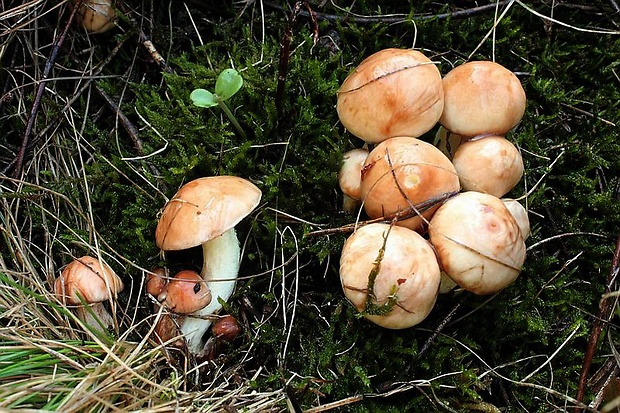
227	84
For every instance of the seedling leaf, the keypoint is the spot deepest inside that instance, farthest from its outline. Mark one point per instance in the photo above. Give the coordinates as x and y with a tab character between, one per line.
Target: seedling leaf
203	98
228	83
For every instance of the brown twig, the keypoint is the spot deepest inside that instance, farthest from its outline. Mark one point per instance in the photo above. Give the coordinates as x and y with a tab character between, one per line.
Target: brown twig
129	127
404	214
40	89
400	18
604	313
285	48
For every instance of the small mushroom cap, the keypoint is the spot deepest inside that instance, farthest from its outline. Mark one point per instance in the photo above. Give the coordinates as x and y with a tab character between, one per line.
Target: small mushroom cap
89	278
403	171
519	213
490	164
204	209
185	293
156	281
478	242
96	16
393	92
482	97
407	273
350	174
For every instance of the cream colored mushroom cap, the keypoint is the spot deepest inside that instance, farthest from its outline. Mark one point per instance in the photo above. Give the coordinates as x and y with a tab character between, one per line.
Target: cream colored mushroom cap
482	97
392	92
89	278
204	209
408	272
478	242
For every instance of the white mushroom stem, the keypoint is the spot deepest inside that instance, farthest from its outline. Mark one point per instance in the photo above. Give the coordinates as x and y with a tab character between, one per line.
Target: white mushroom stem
220	269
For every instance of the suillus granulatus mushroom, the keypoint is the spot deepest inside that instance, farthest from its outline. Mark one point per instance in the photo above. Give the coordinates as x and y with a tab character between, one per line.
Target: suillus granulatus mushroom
350	178
519	213
402	172
482	97
390	274
87	283
204	212
447	142
478	242
394	92
489	164
96	16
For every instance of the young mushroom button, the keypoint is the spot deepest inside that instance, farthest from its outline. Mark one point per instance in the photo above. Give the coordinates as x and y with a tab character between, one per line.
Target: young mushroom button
204	212
186	293
86	283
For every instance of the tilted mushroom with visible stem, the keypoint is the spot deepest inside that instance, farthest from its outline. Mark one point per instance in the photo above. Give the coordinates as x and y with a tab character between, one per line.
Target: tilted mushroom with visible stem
182	294
87	283
205	212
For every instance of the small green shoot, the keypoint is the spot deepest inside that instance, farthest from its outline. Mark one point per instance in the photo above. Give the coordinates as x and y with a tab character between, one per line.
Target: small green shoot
228	83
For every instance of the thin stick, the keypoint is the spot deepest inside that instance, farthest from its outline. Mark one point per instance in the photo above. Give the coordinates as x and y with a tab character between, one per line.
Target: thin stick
40	89
604	313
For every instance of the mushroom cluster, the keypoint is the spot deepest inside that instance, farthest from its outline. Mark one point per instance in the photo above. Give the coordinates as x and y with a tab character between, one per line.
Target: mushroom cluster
203	213
444	224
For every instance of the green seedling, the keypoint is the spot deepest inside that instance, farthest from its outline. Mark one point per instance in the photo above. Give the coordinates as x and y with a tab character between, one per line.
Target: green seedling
228	83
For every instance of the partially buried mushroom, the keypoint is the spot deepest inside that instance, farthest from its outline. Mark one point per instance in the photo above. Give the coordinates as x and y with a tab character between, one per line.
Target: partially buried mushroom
350	178
205	212
87	283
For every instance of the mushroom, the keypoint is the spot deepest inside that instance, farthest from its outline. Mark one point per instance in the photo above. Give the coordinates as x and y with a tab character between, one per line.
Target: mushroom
390	274
519	213
86	283
394	92
350	178
185	293
478	242
402	172
96	16
490	164
482	97
205	212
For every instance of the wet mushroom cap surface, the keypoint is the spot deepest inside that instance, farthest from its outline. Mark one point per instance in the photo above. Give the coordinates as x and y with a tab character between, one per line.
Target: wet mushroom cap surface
203	209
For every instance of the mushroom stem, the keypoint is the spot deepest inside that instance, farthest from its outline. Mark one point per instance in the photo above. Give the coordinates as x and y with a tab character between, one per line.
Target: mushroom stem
95	316
220	269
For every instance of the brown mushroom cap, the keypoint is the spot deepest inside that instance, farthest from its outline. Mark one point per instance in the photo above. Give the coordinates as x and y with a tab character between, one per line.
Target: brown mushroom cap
185	293
407	273
204	209
482	97
402	171
393	92
89	278
491	164
478	242
96	16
